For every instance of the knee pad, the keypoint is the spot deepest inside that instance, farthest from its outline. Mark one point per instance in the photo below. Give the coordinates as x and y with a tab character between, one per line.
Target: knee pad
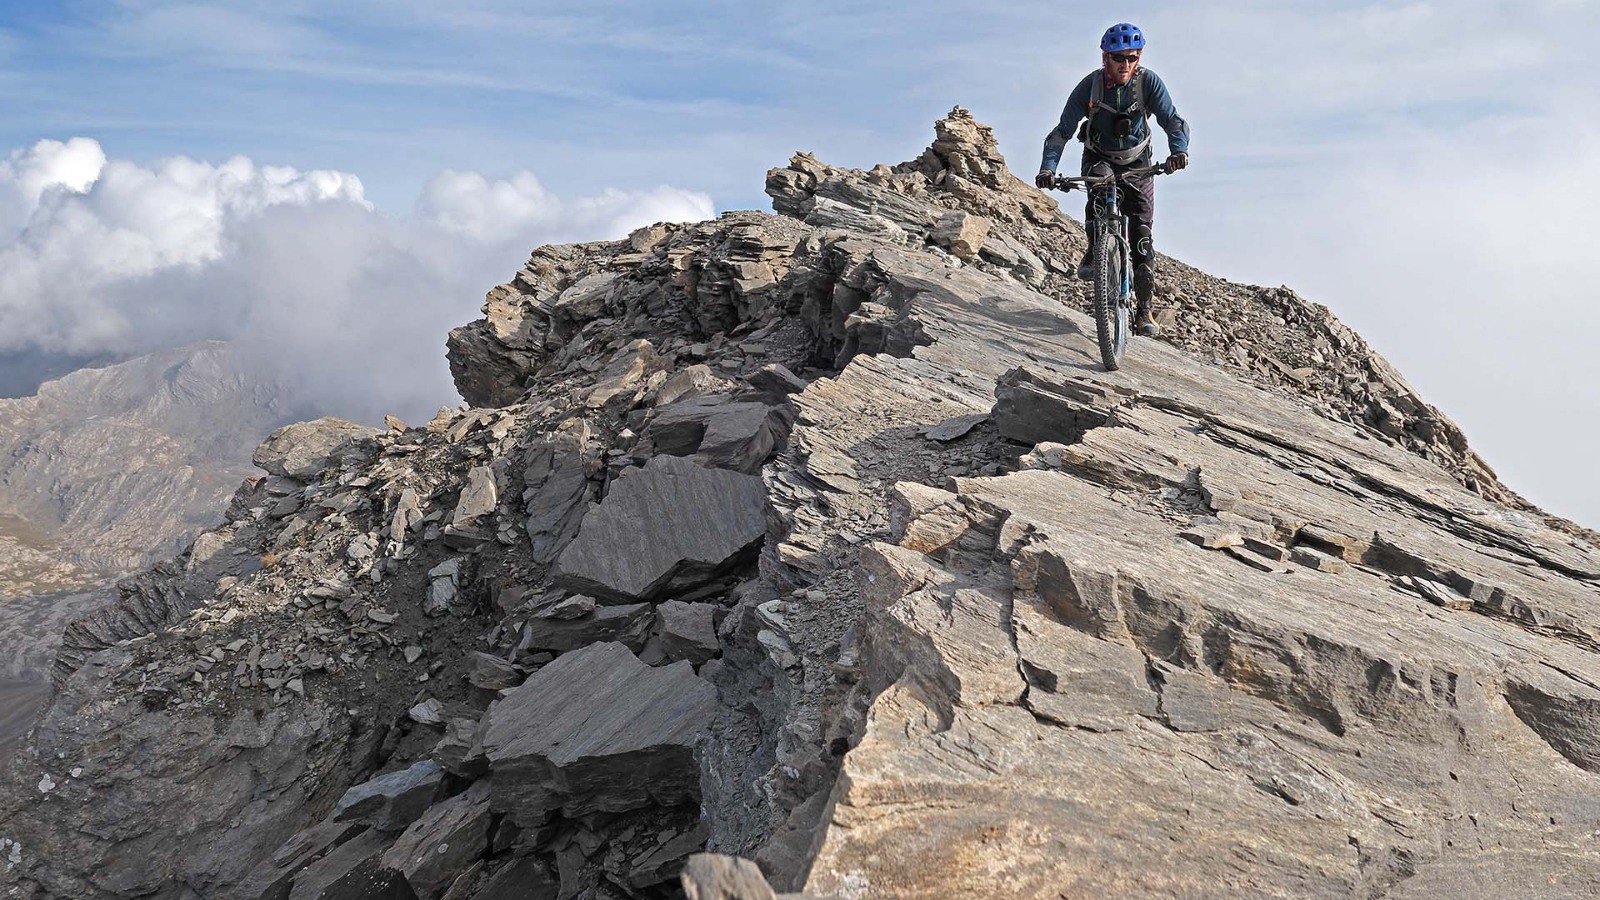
1144	257
1141	246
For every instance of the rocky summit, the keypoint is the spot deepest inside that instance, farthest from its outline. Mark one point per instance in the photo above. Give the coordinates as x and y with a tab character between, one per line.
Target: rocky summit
814	552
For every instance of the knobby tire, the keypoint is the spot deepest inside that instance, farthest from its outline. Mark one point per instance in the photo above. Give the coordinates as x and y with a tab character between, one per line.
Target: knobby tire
1110	313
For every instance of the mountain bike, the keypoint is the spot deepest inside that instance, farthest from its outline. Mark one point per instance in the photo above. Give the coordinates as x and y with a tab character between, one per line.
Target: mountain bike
1112	262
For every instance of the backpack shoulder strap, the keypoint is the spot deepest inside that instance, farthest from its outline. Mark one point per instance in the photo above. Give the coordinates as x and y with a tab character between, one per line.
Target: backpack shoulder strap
1138	93
1097	90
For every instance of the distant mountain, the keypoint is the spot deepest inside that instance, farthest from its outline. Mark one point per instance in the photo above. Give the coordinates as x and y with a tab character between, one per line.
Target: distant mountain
113	468
22	371
29	564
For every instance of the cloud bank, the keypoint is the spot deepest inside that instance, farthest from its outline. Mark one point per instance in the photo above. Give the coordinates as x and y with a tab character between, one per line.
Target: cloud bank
107	258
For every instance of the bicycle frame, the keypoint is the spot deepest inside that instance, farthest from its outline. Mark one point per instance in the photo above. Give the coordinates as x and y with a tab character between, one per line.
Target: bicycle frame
1111	209
1112	299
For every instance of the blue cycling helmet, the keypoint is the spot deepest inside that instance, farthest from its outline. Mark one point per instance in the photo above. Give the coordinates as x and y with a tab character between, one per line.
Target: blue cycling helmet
1122	37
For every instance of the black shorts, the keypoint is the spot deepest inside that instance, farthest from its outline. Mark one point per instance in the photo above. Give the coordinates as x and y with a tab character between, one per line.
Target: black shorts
1138	196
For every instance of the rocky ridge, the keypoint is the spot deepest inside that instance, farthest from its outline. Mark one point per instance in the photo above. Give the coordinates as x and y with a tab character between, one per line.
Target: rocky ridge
819	538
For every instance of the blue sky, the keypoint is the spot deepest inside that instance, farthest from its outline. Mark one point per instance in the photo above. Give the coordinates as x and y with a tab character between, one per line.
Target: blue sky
1427	169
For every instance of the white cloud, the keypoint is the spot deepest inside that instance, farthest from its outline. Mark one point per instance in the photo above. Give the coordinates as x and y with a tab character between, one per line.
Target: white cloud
114	258
467	203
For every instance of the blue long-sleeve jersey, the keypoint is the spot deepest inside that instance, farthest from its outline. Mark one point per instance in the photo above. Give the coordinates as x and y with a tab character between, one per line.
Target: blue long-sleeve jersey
1116	99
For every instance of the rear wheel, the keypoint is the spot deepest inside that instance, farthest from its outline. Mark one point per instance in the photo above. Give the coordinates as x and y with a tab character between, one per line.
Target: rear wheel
1111	307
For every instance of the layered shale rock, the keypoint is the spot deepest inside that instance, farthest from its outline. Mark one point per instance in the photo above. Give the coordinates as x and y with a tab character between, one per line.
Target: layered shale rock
821	539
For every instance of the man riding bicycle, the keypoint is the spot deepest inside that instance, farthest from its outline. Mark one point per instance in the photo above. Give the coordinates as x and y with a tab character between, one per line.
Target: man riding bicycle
1113	103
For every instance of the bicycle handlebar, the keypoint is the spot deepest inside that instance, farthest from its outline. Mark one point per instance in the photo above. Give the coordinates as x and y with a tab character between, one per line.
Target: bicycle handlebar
1065	183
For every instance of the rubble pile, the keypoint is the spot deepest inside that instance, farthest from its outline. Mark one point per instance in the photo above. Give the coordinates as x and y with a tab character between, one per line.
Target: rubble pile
820	539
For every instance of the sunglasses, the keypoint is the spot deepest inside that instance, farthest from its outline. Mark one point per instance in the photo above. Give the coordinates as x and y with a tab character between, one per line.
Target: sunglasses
1124	58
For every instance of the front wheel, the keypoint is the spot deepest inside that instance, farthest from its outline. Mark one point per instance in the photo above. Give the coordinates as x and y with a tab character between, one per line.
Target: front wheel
1111	289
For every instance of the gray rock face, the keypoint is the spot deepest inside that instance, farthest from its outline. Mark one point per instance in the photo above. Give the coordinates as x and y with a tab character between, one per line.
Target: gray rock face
352	871
237	783
683	525
392	802
443	843
273	878
20	701
597	731
303	449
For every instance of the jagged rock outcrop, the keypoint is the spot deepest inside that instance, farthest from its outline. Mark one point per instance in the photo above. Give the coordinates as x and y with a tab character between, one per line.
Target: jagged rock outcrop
982	620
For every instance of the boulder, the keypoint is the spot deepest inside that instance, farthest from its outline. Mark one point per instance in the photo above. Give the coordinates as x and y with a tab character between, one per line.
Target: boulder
407	515
273	877
961	233
574	607
720	434
303	449
690	382
392	802
556	493
597	731
683	526
628	625
478	496
443	843
523	878
666	861
776	382
491	673
685	631
621	380
353	871
955	428
1031	408
712	876
458	751
444	589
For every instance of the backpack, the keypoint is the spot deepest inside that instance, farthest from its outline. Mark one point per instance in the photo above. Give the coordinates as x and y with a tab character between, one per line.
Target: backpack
1097	94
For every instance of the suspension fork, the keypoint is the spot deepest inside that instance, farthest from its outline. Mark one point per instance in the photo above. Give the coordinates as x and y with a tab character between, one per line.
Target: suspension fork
1114	224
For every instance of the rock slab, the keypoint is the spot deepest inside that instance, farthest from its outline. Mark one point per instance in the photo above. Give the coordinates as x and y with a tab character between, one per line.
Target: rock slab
302	450
683	526
597	731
